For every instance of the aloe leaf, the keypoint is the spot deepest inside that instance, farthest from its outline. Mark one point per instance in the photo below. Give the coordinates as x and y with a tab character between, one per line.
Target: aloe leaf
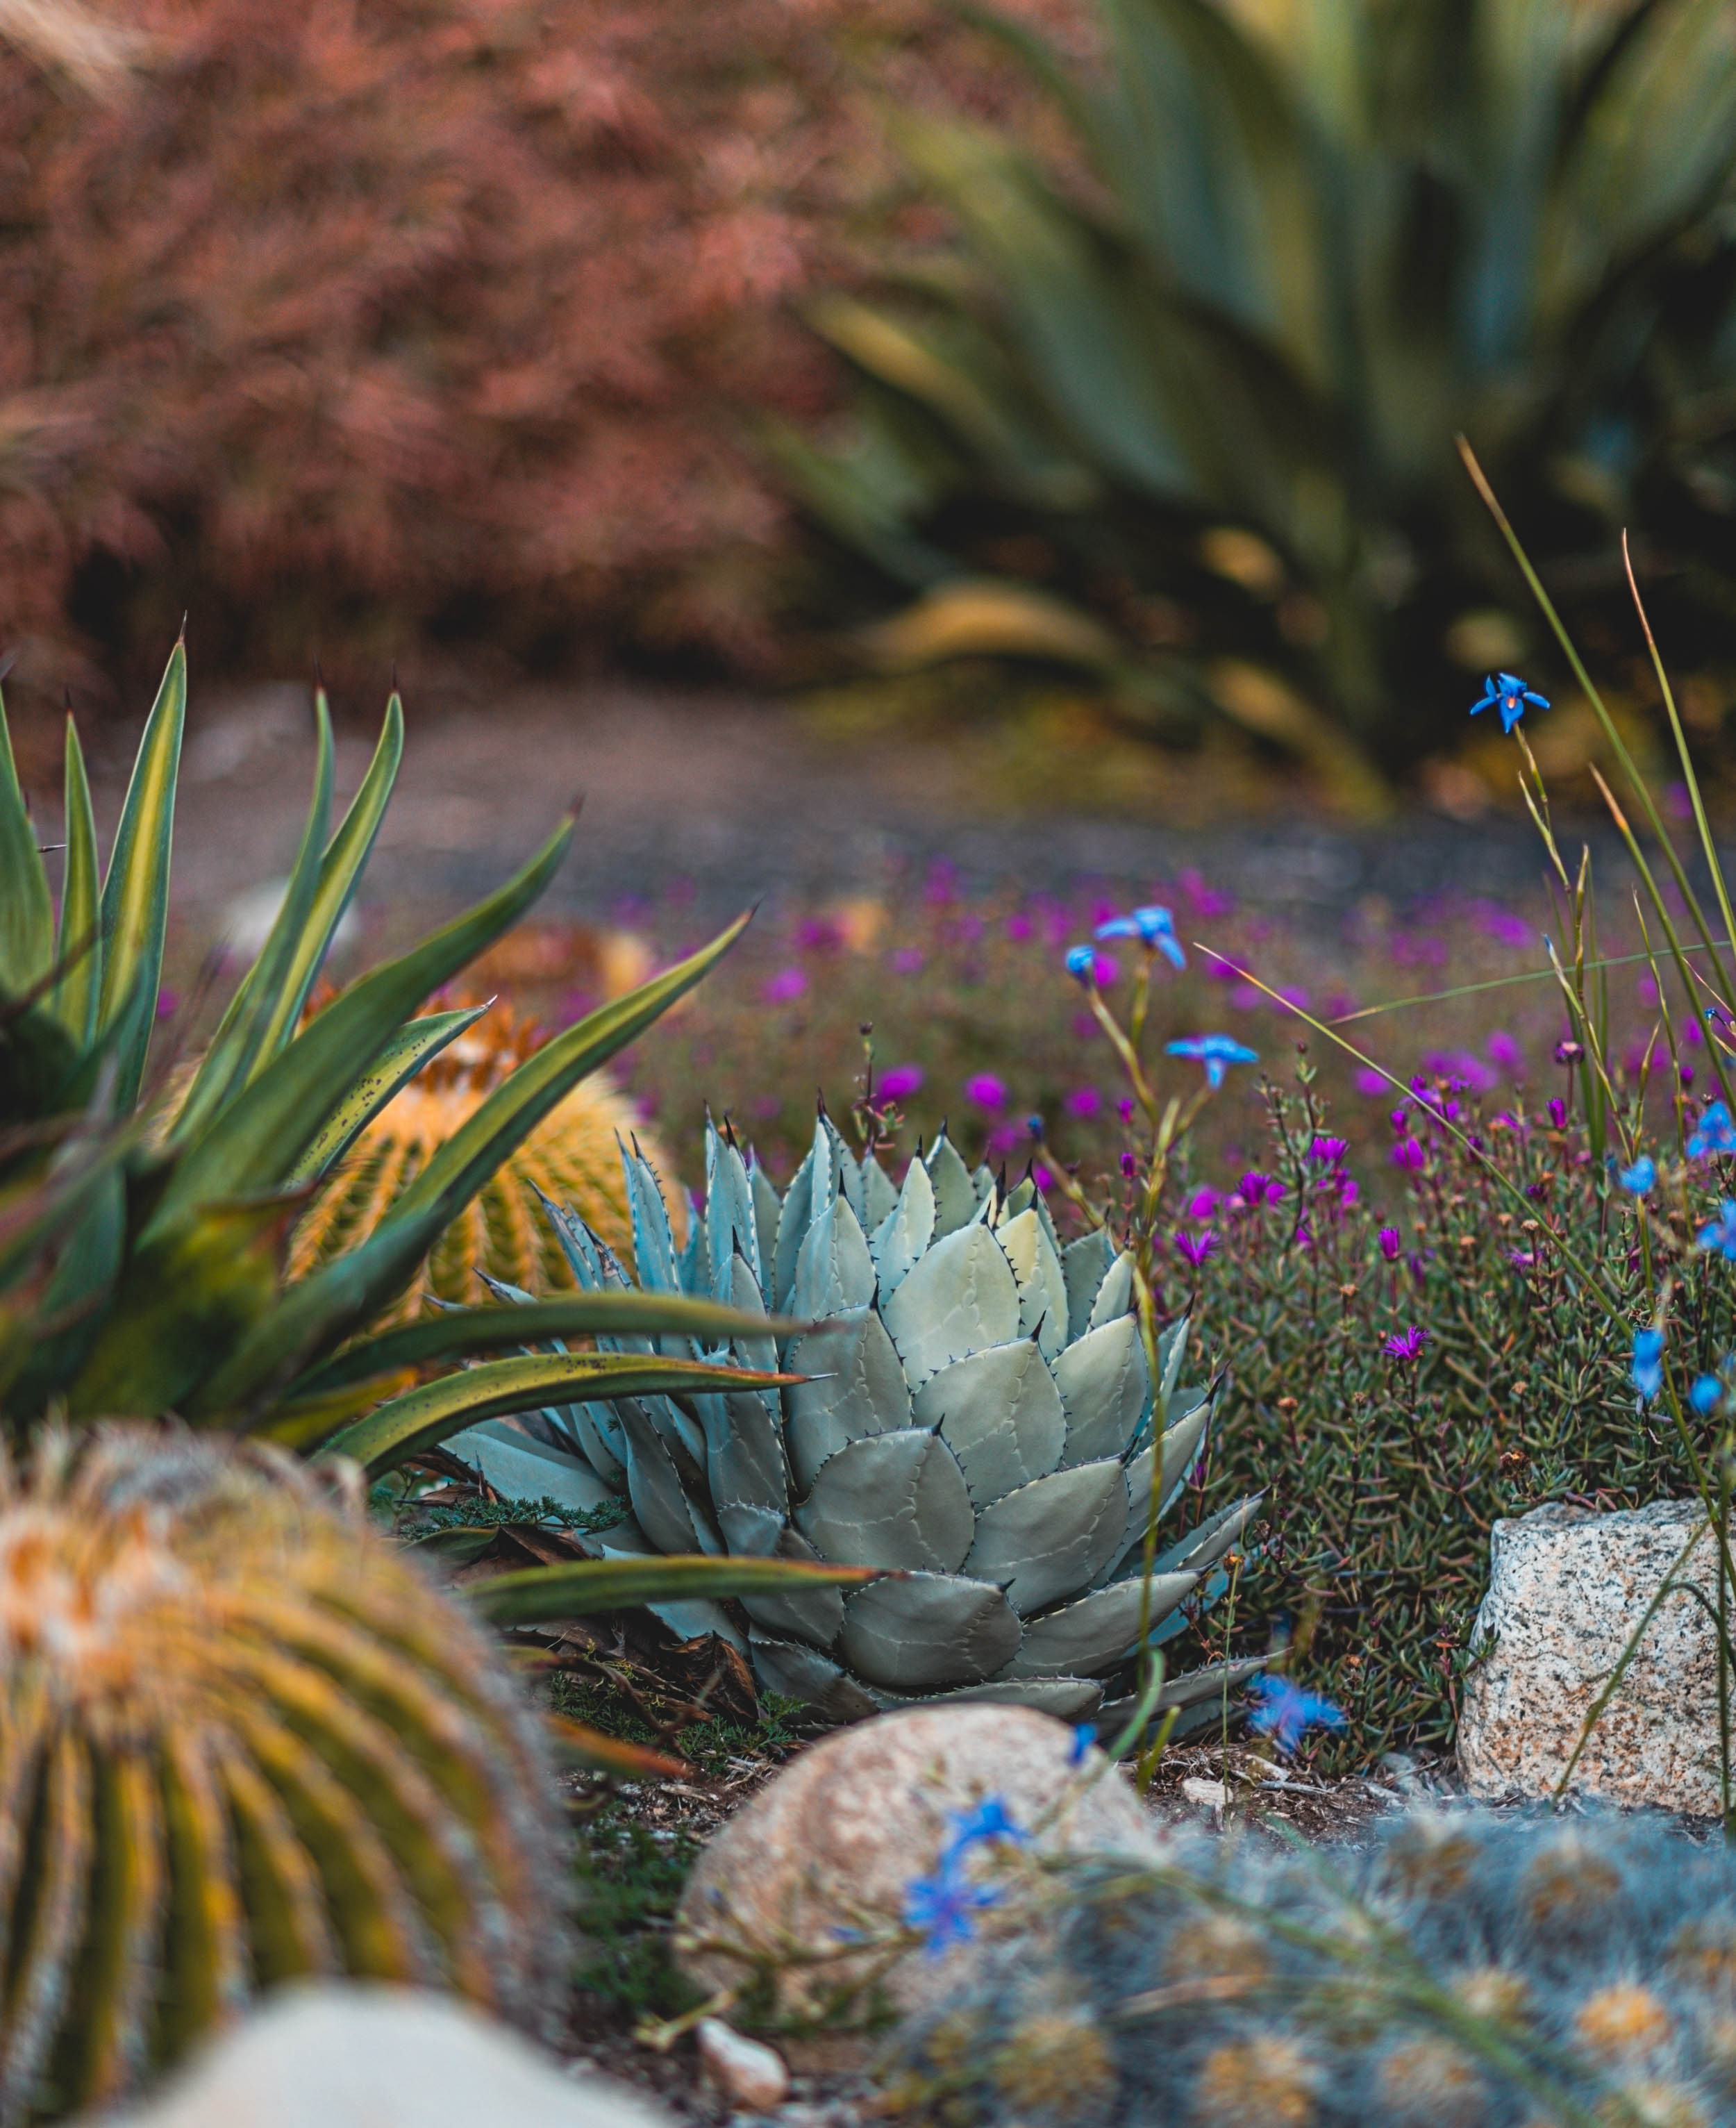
468	1331
136	892
27	909
425	1415
390	1071
261	1136
579	1745
79	946
229	1061
514	1108
539	1594
70	1312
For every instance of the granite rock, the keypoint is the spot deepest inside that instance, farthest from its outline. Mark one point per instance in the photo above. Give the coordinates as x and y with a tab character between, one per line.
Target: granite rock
334	2056
1567	1588
832	1844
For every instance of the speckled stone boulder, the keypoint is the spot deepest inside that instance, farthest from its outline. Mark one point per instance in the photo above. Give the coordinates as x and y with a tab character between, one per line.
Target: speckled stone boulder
1566	1587
832	1844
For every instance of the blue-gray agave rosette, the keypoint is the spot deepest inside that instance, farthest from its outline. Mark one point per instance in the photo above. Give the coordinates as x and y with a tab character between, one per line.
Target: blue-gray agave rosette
979	1413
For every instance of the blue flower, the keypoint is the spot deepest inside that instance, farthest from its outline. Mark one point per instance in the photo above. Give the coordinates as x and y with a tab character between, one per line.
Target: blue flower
942	1906
973	1828
1152	927
1721	1234
1649	1362
1083	1737
1715	1134
1509	694
1706	1394
1640	1177
1082	963
1285	1713
1216	1052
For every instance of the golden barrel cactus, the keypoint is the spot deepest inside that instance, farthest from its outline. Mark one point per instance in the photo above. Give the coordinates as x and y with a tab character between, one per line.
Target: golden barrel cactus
573	1157
242	1739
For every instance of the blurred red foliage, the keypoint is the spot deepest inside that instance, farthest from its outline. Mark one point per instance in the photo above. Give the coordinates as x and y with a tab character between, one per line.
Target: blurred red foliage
361	321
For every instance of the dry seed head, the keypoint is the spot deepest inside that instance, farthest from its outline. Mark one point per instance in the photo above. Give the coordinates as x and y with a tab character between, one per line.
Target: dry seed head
1266	2082
1057	2067
1494	1993
1623	2019
1568	1887
1431	1858
244	1741
1659	2102
1703	1954
1429	2084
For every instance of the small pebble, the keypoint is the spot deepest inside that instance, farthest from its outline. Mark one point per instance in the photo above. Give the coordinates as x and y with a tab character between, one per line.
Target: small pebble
1209	1795
752	2075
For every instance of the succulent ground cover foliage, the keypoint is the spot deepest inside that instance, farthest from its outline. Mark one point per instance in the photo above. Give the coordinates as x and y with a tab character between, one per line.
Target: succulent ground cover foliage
242	1739
1459	1969
980	1412
1188	421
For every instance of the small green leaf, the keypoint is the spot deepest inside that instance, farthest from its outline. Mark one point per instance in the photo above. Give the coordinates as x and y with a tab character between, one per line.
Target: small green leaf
425	1416
538	1594
26	911
78	948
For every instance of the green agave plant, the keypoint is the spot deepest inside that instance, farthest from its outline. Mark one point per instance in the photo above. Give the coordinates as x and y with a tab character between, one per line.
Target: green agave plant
140	1269
977	1412
1228	370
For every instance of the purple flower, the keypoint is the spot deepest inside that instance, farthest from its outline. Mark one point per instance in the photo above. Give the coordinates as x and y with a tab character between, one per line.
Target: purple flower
1255	1189
1326	1152
1504	1051
986	1091
1124	1108
1195	1248
1558	1112
1405	1344
1203	1203
1400	1120
908	960
1390	1243
1207	900
786	985
1350	1194
1083	1102
168	1003
818	934
1369	1081
1020	927
901	1082
1408	1154
1217	1052
1567	1050
1285	1712
1129	1168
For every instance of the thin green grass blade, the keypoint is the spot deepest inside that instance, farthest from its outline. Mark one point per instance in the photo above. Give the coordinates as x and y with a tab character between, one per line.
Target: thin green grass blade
79	946
390	1071
135	893
465	1331
425	1416
537	1594
261	1136
26	908
240	1041
1506	982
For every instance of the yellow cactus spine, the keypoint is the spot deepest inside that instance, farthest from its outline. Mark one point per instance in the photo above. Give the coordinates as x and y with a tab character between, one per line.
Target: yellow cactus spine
241	1741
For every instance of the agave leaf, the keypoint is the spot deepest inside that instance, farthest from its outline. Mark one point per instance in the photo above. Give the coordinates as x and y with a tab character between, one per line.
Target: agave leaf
391	1071
807	1614
1085	1265
955	1198
803	1674
1042	1289
855	1387
1053	1537
463	1333
906	1231
27	909
799	1209
959	1298
78	944
663	1505
896	1499
426	1415
1114	1296
767	1216
731	1228
879	1197
1201	1549
540	1594
136	892
928	1629
744	1464
999	1412
834	1271
1179	1449
1104	1385
1097	1631
261	1136
1069	1699
521	1468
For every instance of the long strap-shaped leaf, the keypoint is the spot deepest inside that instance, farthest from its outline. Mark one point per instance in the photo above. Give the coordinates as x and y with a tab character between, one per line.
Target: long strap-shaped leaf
468	1332
336	1301
390	1071
260	1137
261	1018
135	893
79	946
26	912
423	1416
538	1594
